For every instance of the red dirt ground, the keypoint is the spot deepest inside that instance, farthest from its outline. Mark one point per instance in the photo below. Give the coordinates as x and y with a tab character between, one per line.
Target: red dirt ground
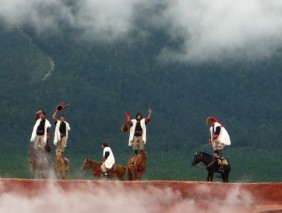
166	196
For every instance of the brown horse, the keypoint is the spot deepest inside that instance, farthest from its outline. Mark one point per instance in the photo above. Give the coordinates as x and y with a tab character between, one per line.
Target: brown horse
61	165
137	165
40	163
117	172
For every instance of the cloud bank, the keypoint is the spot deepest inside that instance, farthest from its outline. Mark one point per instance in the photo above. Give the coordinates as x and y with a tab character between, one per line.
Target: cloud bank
203	30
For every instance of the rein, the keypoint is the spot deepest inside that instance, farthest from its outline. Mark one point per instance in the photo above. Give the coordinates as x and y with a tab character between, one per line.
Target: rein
211	163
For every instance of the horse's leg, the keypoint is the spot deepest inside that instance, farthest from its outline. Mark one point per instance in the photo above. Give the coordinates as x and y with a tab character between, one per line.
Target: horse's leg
225	177
140	174
129	174
136	174
211	179
118	173
123	173
210	176
63	172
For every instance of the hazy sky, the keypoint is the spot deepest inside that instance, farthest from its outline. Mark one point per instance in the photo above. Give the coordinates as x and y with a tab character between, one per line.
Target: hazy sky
209	30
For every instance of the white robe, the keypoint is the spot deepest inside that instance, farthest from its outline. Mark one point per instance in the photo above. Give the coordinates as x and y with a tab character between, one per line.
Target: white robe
47	125
110	161
223	135
132	131
57	134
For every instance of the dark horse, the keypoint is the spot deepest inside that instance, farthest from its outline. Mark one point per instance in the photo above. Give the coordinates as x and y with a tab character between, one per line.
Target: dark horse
137	165
212	166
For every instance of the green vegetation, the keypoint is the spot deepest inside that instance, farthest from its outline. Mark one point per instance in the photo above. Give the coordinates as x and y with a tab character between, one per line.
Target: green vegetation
101	82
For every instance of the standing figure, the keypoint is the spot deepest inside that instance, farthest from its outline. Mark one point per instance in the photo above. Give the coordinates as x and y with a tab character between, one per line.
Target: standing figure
40	131
219	137
137	134
62	129
108	159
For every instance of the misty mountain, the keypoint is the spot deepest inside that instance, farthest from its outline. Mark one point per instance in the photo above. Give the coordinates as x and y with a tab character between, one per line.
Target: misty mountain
102	82
103	79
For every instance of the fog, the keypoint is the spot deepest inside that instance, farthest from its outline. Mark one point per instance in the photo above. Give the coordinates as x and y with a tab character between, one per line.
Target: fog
116	197
204	30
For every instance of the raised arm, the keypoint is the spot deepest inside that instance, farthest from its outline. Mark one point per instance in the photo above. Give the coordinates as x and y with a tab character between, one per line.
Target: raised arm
127	118
54	116
150	111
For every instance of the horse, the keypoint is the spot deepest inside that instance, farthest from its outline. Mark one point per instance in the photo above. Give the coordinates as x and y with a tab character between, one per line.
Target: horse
61	165
117	172
212	166
40	163
136	166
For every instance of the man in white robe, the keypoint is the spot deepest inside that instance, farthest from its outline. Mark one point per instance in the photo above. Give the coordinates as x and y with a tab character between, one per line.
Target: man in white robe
219	137
40	131
61	133
138	131
108	159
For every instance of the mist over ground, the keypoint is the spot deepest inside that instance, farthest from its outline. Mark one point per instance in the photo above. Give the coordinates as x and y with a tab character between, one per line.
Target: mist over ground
105	196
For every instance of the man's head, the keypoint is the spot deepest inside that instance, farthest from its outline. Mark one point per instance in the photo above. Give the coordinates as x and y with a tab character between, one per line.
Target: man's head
139	116
211	120
103	145
42	115
62	118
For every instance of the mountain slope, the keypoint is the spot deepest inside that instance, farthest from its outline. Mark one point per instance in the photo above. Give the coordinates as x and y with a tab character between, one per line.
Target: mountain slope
103	81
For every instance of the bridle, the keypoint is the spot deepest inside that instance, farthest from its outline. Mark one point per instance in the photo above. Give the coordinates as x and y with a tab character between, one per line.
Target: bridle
200	157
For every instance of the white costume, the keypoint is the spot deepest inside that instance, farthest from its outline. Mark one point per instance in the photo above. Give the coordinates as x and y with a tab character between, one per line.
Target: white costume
46	126
110	161
132	131
57	134
223	136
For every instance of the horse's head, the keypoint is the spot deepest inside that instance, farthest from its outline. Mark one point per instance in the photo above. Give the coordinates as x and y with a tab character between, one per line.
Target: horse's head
90	164
197	158
144	155
85	165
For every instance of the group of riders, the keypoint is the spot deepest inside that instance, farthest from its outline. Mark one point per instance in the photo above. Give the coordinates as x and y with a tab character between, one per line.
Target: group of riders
137	136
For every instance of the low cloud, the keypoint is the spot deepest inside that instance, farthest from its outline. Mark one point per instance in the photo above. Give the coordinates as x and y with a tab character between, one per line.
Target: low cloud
217	30
200	31
115	197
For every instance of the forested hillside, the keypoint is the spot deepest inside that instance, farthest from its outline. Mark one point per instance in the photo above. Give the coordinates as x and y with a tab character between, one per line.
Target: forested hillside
102	81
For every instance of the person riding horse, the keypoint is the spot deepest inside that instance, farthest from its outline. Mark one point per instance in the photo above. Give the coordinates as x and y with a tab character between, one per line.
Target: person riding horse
109	159
219	137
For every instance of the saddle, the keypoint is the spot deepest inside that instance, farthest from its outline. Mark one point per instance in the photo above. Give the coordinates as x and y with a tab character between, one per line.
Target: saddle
220	160
109	171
